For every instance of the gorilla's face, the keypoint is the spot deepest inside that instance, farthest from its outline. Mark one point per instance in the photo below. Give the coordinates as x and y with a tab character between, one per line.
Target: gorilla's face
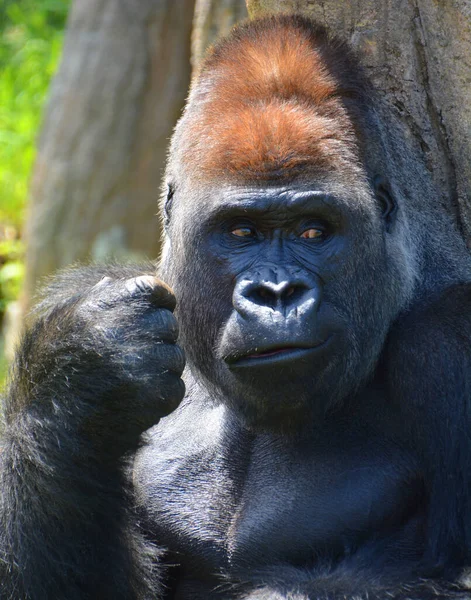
285	294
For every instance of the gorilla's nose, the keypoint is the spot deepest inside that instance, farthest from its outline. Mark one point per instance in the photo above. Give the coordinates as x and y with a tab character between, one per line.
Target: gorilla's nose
287	292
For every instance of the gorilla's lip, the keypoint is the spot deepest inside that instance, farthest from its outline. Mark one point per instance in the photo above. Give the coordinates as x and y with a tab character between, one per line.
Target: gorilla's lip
271	352
274	355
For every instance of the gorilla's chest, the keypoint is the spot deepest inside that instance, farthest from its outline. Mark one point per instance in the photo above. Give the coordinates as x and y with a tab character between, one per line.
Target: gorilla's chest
218	501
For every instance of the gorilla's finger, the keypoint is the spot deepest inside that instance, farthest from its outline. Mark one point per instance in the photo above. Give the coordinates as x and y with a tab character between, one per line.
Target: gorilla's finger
171	358
171	391
103	281
159	325
158	292
154	403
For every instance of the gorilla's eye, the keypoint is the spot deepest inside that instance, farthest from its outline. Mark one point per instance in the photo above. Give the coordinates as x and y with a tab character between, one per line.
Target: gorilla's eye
313	233
243	232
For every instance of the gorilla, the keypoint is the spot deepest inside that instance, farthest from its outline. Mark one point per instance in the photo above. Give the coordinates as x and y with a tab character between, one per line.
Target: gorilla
319	447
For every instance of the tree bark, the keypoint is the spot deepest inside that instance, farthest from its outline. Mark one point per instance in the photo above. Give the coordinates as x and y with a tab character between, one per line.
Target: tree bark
116	97
418	53
213	19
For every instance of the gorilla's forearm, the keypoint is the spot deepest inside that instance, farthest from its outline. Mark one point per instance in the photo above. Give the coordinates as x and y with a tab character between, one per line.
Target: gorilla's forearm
66	527
66	530
433	338
291	583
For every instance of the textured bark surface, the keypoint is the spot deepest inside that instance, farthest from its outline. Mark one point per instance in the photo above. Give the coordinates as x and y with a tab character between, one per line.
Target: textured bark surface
117	95
418	52
213	18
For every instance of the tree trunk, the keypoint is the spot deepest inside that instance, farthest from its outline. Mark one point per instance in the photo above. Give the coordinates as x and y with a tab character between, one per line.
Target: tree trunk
213	19
117	95
418	53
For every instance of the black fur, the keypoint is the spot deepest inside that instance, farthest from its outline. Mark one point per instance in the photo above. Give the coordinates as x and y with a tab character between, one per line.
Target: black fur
322	447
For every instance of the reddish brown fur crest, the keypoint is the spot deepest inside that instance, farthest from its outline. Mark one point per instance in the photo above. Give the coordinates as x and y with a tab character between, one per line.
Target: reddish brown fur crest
271	102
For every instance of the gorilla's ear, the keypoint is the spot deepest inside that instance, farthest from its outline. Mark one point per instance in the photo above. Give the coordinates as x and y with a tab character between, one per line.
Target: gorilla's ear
168	204
385	199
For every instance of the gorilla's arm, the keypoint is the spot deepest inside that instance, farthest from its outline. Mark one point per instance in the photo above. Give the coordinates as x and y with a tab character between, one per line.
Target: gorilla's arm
429	375
98	367
347	583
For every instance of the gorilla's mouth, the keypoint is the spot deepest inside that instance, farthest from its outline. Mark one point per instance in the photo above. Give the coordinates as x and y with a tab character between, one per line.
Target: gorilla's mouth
275	355
271	352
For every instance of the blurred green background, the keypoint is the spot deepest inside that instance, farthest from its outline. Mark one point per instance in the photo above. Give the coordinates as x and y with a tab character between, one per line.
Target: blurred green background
31	35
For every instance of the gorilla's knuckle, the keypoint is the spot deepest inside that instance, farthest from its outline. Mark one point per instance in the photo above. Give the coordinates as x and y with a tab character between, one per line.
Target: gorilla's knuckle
151	289
178	388
169	358
176	359
162	325
171	391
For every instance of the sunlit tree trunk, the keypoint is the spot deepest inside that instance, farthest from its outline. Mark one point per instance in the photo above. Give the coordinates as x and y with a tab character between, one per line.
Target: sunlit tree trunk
119	90
419	54
213	18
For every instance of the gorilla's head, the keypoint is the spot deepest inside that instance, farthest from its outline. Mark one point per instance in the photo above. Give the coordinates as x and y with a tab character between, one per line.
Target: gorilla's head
280	231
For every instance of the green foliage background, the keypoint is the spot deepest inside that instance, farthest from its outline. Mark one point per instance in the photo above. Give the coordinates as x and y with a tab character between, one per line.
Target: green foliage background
31	35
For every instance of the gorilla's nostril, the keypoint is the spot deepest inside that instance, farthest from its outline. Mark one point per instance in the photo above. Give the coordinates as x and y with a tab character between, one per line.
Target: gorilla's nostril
289	291
265	297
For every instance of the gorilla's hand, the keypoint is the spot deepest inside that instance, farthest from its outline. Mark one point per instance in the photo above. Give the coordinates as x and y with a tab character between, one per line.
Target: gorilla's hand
129	340
104	354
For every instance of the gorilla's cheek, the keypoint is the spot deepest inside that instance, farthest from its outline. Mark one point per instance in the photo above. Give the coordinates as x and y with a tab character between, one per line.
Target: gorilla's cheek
203	310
